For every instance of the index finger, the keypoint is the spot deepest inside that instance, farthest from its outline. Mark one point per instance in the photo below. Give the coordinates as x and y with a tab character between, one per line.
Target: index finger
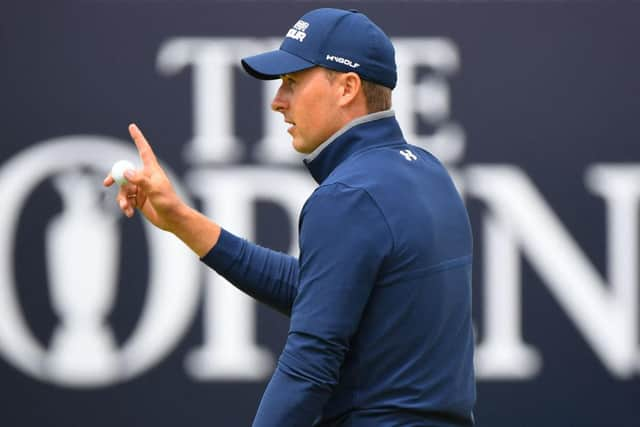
144	149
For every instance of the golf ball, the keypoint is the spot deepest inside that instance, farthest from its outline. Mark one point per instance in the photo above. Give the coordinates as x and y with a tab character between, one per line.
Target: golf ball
117	171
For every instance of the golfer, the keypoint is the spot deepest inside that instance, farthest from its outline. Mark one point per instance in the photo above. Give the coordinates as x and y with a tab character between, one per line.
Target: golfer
380	297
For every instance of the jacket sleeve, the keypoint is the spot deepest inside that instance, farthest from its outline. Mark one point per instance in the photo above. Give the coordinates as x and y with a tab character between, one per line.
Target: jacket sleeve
343	241
270	277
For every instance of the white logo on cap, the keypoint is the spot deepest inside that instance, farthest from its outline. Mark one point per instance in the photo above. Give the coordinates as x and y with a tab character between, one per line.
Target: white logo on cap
298	31
344	61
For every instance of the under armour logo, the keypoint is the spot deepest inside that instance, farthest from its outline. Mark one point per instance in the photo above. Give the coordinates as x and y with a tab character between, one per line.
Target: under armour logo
408	155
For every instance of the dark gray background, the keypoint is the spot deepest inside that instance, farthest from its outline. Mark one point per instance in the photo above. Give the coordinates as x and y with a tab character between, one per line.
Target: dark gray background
548	86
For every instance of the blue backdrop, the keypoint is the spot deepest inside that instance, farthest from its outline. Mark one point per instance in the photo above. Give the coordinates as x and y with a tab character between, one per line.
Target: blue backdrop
532	105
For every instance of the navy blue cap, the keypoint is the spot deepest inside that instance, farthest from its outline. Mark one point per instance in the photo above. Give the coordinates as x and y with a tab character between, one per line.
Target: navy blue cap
341	40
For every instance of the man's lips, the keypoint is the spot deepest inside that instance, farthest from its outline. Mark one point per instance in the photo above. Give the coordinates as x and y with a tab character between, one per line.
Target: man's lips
293	125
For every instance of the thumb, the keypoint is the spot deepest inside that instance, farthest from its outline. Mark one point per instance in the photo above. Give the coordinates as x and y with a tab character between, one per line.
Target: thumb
108	181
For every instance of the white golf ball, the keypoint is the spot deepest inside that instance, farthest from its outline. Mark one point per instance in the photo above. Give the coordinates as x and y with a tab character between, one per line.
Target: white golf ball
118	168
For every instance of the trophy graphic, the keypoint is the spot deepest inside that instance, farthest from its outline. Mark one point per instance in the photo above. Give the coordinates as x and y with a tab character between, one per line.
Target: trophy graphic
81	249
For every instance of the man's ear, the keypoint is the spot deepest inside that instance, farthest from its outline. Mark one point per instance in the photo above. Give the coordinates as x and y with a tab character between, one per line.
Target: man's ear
351	88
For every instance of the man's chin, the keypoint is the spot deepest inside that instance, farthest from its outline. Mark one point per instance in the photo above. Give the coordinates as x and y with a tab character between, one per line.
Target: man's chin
299	147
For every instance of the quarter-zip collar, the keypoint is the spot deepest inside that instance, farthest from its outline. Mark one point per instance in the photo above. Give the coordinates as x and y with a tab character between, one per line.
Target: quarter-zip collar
362	133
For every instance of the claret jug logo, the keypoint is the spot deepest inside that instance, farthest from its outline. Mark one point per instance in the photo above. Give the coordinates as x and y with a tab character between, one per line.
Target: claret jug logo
81	263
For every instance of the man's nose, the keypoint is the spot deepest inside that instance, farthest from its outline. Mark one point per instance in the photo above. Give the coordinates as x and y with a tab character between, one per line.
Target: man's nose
279	102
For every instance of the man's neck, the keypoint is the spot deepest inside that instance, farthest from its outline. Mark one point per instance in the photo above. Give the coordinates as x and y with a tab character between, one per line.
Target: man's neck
354	122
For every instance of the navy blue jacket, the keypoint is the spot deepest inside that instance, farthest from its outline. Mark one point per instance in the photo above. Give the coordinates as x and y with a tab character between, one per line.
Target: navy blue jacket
380	298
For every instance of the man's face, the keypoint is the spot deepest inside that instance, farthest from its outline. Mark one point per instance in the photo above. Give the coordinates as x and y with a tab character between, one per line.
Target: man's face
308	101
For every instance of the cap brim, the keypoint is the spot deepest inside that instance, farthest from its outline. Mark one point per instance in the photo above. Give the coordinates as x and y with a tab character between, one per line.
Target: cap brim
272	65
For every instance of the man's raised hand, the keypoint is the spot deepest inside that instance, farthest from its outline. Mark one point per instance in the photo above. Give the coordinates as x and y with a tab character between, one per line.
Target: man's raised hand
149	190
